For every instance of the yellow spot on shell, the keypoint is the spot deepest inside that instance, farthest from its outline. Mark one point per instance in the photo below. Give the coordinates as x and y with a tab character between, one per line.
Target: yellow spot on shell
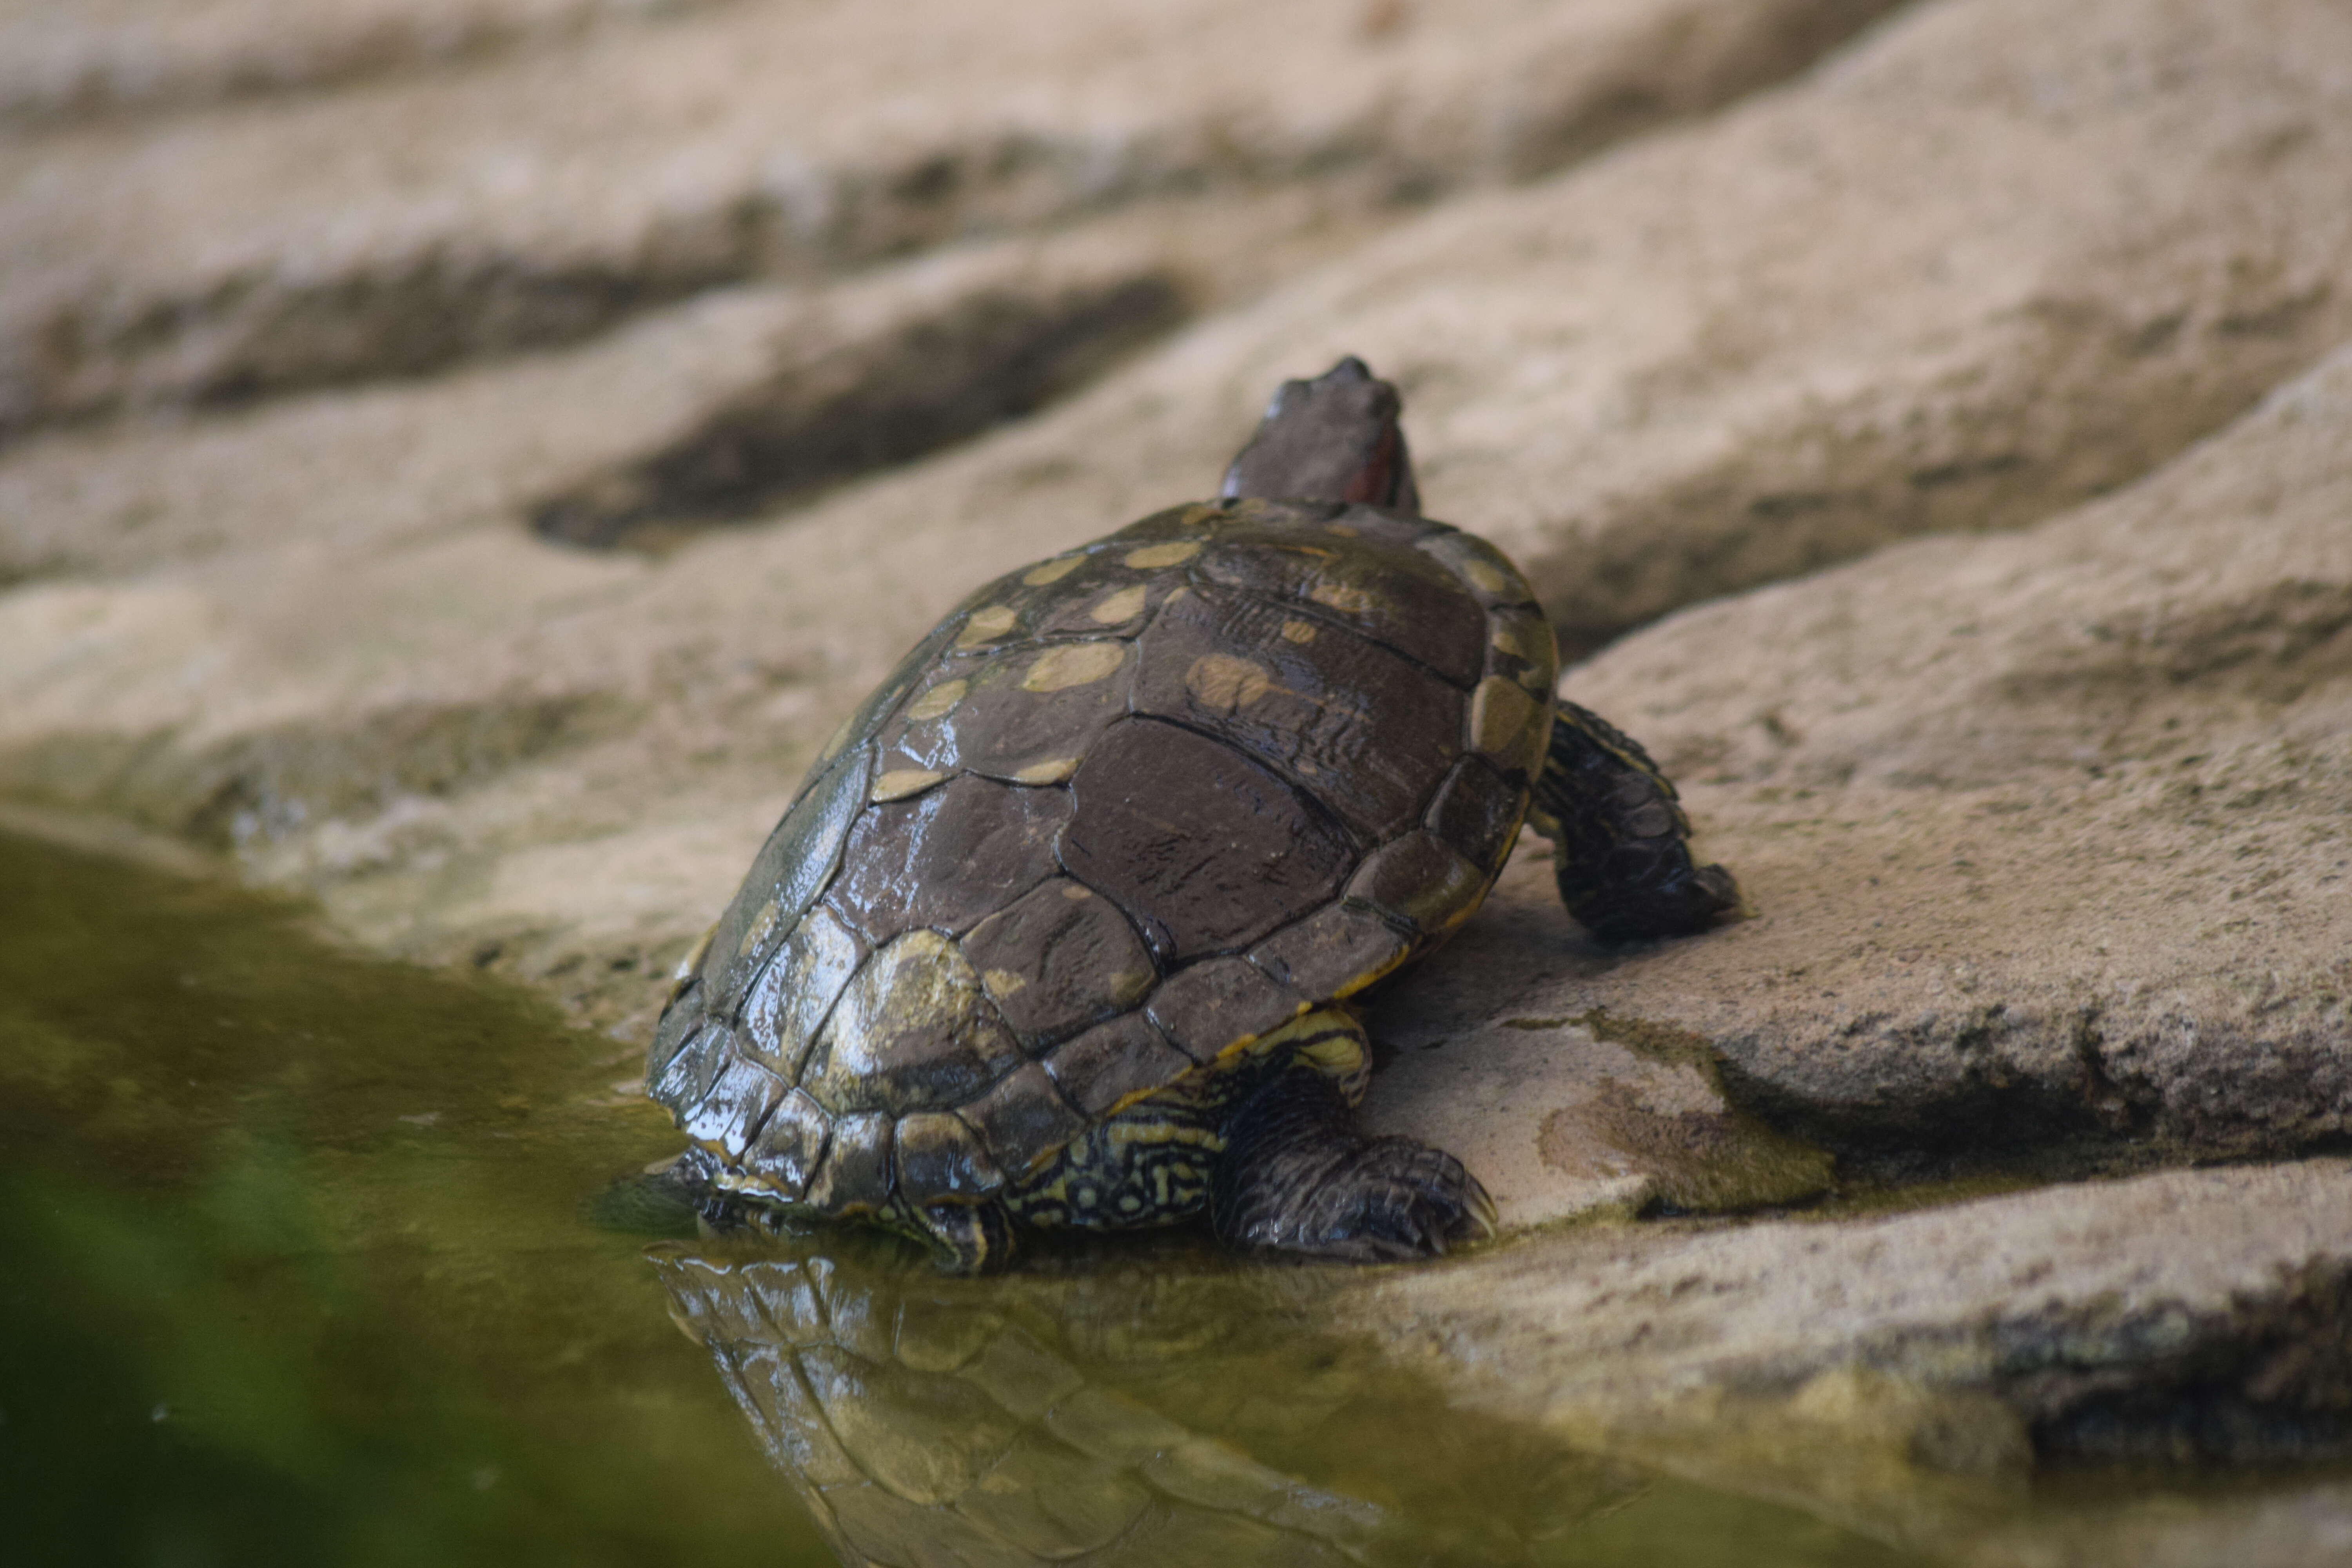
1156	556
1504	641
760	927
1123	605
1073	664
1342	530
985	625
1076	894
900	783
1485	576
1047	773
1298	631
1199	512
1340	596
1002	982
1500	712
938	699
1221	680
1046	571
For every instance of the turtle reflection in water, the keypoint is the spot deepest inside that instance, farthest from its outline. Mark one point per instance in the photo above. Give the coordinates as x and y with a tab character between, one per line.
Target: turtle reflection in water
1125	1414
1060	930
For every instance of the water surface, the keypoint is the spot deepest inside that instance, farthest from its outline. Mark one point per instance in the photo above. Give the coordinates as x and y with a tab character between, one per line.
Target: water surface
306	1257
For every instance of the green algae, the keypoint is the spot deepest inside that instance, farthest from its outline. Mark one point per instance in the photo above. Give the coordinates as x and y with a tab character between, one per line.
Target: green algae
1726	1163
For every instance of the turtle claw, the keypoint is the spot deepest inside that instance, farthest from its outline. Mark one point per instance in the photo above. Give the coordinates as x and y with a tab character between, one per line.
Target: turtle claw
1399	1199
1482	1215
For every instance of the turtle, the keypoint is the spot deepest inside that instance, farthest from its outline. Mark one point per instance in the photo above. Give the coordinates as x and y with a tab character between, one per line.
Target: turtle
1062	926
1120	1409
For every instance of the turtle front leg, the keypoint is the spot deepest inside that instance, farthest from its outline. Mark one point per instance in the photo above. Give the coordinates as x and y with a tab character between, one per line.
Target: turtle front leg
1619	842
1297	1176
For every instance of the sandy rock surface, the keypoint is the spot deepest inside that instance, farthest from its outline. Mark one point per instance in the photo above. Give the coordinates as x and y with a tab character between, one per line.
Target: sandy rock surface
1900	1373
462	460
103	59
545	192
2048	834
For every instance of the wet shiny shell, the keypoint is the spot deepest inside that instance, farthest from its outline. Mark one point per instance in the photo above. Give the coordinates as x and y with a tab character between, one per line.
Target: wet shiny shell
1122	813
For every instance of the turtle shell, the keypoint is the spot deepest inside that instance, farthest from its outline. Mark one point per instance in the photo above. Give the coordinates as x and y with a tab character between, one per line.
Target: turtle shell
1120	815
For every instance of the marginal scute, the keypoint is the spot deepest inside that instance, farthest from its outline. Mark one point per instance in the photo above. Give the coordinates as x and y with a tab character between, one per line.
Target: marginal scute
913	1032
786	1155
1221	1002
725	1116
1022	1120
790	870
1478	811
1334	953
1521	647
789	1002
679	1020
1115	1063
941	1161
948	857
1508	724
1055	964
1204	850
1486	570
1421	879
854	1176
688	1074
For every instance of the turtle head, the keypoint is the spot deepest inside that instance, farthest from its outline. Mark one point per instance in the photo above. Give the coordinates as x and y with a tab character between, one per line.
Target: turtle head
1335	437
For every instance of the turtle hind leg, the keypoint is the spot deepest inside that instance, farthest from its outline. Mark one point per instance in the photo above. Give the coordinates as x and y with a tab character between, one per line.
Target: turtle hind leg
1621	844
1297	1176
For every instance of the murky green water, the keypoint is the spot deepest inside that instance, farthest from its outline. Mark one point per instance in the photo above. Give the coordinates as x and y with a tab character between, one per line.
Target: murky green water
308	1259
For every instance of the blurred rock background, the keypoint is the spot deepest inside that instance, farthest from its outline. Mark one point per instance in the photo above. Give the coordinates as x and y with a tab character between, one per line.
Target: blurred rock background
458	459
